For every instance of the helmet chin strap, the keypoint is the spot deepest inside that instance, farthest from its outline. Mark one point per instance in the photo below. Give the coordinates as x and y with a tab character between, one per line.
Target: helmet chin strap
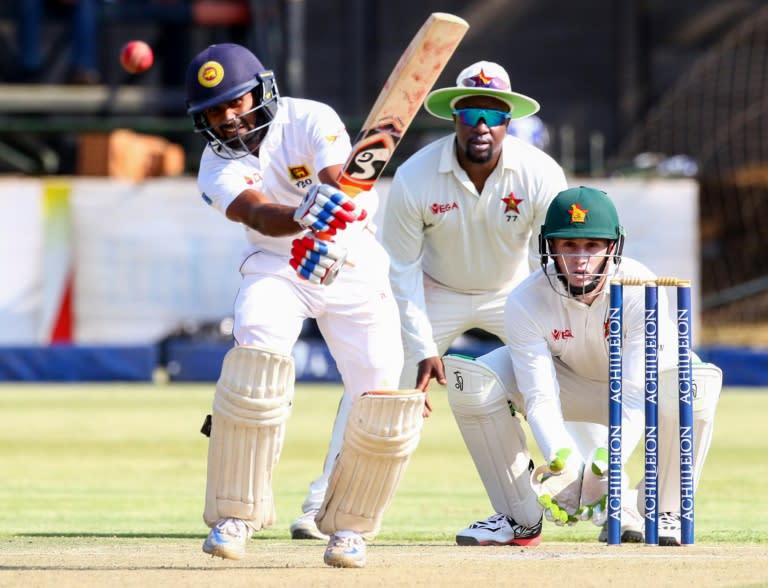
589	288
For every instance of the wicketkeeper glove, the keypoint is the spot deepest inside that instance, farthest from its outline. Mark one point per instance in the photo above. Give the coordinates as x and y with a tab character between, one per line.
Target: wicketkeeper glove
325	209
317	260
558	486
594	488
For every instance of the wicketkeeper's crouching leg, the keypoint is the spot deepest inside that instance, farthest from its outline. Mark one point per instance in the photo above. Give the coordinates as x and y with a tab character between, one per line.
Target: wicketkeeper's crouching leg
707	384
382	432
496	441
250	408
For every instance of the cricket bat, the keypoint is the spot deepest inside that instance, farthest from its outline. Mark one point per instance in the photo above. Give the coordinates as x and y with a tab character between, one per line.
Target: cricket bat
400	99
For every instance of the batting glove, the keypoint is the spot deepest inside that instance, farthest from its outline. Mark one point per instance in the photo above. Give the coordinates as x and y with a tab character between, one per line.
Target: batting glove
317	260
325	209
558	486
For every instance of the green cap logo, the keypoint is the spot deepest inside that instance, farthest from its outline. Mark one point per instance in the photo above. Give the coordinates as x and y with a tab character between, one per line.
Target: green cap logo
578	214
582	213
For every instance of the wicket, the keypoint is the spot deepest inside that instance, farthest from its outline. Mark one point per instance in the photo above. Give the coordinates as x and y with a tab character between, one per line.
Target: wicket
685	394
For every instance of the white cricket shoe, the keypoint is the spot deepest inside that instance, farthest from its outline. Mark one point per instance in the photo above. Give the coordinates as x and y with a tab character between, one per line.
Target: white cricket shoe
499	529
346	549
669	529
632	526
305	527
227	539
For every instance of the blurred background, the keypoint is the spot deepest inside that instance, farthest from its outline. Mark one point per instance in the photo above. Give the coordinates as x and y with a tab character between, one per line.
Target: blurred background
104	244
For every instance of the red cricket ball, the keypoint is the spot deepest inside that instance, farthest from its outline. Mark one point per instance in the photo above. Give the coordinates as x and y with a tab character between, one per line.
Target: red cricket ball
136	57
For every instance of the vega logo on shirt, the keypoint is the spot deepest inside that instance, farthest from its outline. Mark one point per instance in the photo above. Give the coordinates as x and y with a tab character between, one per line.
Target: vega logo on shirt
254	179
441	207
557	334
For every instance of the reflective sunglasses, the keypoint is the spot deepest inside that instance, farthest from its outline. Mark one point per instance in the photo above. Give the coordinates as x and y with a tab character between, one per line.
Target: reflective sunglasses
471	116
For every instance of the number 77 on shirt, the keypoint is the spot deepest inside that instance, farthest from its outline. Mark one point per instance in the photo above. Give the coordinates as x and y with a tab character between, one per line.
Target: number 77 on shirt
400	99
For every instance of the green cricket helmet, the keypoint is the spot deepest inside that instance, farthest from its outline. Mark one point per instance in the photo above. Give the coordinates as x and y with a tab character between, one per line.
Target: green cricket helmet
581	213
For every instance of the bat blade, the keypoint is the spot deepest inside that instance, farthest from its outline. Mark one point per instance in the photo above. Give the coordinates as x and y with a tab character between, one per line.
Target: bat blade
400	99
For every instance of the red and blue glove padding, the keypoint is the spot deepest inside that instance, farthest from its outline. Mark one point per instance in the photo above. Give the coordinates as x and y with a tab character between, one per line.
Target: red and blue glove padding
325	209
317	260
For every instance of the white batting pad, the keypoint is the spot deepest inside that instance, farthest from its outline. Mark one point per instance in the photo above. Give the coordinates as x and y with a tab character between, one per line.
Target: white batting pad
494	437
382	431
250	408
707	383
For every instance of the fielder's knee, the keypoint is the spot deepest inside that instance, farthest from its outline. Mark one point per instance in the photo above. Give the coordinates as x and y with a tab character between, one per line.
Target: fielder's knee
707	381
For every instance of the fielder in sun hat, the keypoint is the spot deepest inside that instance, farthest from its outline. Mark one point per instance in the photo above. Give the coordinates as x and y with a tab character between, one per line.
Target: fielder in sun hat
483	78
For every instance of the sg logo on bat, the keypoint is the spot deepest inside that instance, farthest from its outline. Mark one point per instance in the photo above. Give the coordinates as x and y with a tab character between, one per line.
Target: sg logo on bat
373	149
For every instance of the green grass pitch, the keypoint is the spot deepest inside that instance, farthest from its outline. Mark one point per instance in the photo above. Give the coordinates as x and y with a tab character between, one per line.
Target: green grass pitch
128	460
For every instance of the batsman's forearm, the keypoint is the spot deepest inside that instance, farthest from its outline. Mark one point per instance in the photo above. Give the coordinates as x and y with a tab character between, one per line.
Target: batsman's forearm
268	218
273	220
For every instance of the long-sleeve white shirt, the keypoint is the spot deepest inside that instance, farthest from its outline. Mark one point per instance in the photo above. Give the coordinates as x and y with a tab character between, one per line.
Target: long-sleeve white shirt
544	326
437	225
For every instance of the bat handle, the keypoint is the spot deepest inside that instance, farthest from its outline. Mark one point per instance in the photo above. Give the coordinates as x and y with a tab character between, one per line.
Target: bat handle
328	237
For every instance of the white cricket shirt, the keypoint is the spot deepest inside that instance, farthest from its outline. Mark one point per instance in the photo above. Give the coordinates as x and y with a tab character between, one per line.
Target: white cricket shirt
542	325
305	137
436	224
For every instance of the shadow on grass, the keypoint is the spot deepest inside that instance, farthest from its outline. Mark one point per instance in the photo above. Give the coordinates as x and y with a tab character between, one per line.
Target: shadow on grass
382	541
117	535
260	536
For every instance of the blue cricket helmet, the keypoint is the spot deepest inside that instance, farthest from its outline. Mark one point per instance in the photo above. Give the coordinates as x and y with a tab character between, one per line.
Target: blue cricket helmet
221	73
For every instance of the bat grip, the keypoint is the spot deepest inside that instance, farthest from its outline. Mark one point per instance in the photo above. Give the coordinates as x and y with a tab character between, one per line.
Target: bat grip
327	237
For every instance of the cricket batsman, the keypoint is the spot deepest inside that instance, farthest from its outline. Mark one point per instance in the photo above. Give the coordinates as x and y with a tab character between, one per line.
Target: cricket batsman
270	164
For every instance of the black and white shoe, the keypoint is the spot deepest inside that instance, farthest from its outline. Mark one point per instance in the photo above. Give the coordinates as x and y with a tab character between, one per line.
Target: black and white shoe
305	527
500	529
632	526
669	529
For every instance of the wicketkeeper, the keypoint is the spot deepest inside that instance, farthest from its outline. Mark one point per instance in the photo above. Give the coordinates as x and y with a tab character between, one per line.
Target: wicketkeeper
555	368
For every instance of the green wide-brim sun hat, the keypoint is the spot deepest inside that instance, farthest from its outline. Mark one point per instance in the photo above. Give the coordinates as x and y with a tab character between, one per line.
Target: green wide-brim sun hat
441	103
